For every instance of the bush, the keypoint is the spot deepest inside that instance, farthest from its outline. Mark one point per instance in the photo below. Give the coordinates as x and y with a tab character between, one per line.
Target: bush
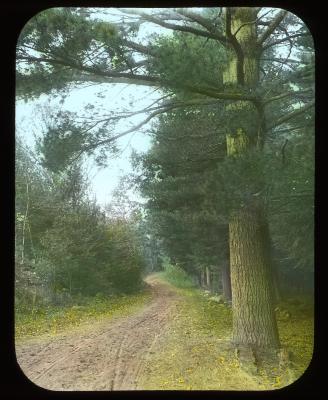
125	262
177	276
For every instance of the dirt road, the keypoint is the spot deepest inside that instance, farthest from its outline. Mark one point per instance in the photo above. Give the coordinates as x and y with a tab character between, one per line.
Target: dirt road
108	355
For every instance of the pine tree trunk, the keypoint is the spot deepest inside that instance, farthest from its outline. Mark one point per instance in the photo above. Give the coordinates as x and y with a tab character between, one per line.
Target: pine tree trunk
208	278
202	278
226	282
199	279
254	322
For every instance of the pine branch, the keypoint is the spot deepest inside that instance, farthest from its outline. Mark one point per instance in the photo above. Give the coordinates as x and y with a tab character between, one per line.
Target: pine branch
284	95
291	115
204	22
160	110
273	25
112	76
181	28
284	39
91	70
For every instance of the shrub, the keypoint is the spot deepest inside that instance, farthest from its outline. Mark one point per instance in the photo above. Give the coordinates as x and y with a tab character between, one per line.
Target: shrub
177	276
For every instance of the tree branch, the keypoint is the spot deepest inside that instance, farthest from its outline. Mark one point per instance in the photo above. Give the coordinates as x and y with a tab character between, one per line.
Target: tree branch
158	111
182	28
121	76
139	47
273	25
287	38
245	24
283	95
284	61
147	80
291	115
204	22
283	156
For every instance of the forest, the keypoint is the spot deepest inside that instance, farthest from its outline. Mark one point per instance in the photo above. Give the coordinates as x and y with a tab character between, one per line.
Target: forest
201	264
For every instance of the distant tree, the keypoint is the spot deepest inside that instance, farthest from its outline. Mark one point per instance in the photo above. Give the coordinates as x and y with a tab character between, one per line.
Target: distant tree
64	242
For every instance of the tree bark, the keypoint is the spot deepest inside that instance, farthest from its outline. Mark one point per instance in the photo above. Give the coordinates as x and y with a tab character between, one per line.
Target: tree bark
208	278
199	279
202	278
226	281
254	323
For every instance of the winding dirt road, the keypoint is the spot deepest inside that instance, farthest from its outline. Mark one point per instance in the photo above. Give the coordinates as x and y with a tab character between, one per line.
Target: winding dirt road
108	355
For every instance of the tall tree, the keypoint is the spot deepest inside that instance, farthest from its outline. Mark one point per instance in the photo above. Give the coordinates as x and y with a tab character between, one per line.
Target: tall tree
179	179
254	321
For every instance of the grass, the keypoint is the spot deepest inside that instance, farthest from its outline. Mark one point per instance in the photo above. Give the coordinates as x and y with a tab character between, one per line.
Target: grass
56	319
297	333
176	276
296	336
196	354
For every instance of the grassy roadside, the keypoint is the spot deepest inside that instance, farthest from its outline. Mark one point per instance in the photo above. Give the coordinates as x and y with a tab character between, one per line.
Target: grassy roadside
297	332
195	353
56	319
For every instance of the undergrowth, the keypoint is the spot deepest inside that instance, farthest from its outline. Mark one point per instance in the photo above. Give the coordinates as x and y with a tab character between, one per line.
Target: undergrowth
297	332
55	319
176	276
196	352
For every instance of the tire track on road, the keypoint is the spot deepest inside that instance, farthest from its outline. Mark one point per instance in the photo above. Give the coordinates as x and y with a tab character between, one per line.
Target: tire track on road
110	358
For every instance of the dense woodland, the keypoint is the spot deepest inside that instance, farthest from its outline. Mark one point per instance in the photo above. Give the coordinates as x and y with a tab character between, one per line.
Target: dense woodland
228	181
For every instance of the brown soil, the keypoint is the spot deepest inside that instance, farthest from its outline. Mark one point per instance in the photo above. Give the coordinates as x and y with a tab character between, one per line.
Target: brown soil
107	355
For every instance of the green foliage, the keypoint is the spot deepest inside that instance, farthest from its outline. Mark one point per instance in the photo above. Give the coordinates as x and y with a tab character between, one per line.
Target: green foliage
59	145
33	201
186	206
62	34
292	205
191	193
125	257
75	248
67	136
65	245
176	276
85	254
170	50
